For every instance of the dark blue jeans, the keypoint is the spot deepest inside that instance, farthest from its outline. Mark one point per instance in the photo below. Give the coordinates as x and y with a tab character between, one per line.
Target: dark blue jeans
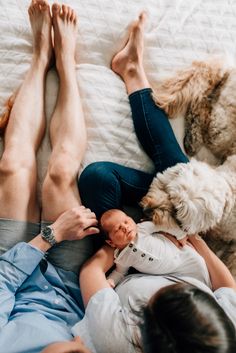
106	185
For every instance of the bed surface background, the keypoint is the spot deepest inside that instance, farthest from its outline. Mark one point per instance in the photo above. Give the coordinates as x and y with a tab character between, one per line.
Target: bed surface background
177	32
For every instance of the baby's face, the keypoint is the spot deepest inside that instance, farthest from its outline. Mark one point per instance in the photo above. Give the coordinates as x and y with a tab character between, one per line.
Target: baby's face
120	227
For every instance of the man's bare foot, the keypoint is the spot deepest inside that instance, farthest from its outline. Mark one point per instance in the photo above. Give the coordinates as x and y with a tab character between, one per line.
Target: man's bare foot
65	27
129	59
41	24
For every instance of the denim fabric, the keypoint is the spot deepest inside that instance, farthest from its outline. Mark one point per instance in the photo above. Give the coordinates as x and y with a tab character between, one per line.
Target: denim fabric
106	185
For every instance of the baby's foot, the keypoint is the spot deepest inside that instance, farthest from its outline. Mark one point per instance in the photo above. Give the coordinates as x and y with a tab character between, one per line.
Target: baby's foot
129	59
41	24
65	31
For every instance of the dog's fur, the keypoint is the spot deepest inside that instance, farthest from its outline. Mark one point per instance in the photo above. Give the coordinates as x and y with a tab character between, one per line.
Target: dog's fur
196	197
205	93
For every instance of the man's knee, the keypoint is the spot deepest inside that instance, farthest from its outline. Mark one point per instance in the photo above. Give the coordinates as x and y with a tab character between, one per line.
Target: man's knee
11	164
61	173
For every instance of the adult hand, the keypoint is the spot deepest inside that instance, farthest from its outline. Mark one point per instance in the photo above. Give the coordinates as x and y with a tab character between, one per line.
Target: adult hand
75	224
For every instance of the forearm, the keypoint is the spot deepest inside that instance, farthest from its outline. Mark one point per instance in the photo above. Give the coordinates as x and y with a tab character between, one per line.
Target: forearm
93	273
219	273
39	243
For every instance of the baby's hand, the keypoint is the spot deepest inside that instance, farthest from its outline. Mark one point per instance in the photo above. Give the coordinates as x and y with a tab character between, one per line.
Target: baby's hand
111	282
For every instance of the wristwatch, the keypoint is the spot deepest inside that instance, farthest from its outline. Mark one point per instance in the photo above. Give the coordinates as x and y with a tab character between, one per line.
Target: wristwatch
48	235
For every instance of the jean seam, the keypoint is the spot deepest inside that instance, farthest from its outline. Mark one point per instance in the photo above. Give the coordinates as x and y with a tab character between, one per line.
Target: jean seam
150	135
134	186
116	193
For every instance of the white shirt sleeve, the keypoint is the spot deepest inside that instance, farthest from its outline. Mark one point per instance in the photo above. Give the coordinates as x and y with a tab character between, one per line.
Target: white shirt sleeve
118	273
226	297
108	324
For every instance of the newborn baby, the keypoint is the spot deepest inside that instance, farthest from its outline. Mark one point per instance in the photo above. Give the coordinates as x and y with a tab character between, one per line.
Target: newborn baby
146	248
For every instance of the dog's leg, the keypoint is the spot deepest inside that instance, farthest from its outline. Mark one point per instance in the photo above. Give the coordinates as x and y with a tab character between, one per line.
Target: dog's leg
193	139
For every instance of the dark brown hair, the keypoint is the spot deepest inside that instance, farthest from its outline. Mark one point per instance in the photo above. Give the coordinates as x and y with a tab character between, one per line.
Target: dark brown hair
183	319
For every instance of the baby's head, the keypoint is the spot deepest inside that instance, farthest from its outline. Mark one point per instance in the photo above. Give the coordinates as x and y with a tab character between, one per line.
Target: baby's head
119	229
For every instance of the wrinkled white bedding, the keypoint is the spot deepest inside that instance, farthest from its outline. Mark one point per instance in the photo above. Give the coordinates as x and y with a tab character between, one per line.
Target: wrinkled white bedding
178	32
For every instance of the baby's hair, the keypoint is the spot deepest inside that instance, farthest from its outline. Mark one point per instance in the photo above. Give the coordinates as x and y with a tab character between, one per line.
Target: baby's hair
103	232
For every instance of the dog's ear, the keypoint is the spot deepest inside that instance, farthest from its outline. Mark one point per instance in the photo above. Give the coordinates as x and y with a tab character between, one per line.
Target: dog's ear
156	197
157	206
164	216
147	202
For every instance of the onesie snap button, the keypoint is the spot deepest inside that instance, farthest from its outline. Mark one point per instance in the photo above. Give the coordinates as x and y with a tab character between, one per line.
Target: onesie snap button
134	250
130	245
143	255
150	259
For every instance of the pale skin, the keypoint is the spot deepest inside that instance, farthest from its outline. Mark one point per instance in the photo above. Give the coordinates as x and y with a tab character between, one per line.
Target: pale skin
128	64
25	130
121	230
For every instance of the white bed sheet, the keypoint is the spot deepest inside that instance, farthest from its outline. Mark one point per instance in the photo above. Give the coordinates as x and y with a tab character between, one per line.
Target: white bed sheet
178	31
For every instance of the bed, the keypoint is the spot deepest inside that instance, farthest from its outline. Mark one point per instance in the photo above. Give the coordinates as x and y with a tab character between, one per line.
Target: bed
178	32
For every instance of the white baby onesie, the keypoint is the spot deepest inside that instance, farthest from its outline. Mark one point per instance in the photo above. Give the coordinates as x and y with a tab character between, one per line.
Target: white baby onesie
153	253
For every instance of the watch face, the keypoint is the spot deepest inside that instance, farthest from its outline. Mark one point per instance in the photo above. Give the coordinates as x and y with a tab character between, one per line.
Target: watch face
47	231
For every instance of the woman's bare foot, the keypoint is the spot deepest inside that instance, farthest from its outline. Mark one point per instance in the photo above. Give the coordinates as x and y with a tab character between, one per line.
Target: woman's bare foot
129	59
65	27
41	24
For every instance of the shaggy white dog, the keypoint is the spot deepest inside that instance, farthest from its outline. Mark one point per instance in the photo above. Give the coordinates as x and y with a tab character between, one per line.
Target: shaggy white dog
196	197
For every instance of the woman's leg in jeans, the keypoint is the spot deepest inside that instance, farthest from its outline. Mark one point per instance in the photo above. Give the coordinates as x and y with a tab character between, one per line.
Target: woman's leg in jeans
151	124
108	185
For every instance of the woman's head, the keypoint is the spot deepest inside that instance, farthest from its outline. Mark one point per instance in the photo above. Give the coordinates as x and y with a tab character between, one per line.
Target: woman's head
183	319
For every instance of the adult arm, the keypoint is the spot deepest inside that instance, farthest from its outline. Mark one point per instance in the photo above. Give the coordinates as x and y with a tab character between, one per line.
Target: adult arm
117	275
17	264
93	273
73	224
219	273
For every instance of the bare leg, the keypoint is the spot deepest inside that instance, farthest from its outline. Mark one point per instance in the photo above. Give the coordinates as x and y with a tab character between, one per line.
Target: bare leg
26	126
128	63
67	129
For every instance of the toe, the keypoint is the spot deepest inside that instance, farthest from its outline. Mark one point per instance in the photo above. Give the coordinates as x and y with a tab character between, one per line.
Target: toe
143	17
43	4
69	14
64	11
56	8
73	16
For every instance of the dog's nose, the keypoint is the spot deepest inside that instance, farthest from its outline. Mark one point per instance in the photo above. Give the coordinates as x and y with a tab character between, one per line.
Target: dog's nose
148	211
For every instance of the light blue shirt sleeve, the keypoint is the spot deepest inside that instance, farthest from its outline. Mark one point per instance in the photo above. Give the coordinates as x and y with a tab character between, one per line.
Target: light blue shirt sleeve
16	265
